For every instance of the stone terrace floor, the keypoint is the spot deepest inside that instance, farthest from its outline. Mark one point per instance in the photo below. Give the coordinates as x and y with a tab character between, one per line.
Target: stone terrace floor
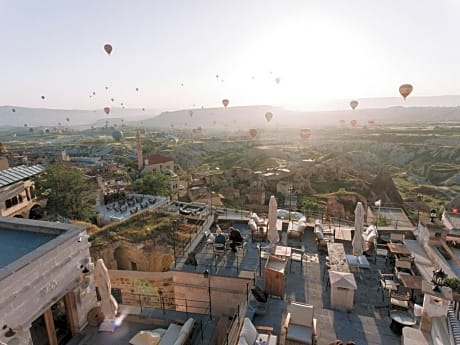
368	323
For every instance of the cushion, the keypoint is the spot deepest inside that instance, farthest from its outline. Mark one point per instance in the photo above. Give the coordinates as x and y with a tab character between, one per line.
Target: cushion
248	331
171	334
372	236
252	225
299	334
301	225
242	341
369	229
319	235
303	219
301	313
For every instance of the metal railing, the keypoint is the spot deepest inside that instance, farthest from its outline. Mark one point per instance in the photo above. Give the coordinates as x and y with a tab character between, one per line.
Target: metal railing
233	329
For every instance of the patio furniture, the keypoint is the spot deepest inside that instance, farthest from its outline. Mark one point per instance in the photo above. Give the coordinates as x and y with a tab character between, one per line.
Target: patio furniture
177	334
259	221
399	301
219	249
274	276
282	251
337	258
396	238
411	282
297	256
413	336
209	238
387	283
343	287
400	319
300	325
398	249
249	334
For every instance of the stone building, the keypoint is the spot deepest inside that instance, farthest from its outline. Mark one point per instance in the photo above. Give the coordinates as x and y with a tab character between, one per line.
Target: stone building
46	281
17	197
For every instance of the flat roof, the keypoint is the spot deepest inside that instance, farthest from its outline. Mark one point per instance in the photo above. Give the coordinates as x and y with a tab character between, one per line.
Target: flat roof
19	173
14	244
23	241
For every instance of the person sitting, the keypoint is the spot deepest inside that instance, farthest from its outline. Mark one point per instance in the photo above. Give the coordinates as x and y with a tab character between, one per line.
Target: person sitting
236	238
220	237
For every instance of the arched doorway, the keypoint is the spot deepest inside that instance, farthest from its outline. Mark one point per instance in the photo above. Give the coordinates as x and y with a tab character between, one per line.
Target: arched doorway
36	212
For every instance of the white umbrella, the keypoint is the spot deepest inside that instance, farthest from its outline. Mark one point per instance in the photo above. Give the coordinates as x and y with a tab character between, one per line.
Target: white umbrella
109	305
358	242
272	234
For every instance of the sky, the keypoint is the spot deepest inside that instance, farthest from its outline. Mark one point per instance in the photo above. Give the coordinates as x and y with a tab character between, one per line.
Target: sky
193	53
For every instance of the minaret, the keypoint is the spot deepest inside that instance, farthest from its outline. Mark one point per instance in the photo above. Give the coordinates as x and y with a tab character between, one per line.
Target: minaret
140	159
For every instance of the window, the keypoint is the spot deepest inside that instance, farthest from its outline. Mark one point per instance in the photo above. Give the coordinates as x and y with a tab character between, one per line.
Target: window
8	203
133	266
116	293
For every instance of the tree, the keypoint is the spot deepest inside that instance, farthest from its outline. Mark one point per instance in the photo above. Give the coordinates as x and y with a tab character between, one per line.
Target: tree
152	183
66	192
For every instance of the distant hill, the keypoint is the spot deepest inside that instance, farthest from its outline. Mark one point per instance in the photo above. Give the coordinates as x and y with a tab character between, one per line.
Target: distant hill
51	117
254	116
415	110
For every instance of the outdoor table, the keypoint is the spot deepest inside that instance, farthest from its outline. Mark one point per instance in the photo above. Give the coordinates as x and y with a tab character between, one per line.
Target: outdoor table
342	234
337	258
398	249
400	319
411	282
282	251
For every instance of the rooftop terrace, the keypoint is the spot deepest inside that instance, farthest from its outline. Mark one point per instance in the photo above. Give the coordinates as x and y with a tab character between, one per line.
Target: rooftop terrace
369	321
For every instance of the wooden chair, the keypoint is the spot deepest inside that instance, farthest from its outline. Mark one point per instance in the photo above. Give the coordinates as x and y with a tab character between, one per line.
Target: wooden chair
220	249
399	301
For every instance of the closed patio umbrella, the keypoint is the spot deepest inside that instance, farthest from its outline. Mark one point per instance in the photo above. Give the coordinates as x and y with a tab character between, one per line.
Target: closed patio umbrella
358	242
272	234
109	305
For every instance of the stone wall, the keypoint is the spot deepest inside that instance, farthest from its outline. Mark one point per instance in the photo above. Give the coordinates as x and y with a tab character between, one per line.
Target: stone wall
182	291
41	278
142	288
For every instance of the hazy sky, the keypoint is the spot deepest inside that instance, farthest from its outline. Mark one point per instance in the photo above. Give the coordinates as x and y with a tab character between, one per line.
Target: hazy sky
319	49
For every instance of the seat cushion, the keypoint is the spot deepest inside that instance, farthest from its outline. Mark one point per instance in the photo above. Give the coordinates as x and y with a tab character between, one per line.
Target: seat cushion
299	333
248	331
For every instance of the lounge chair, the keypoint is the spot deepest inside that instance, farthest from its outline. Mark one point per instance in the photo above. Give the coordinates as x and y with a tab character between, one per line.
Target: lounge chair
300	325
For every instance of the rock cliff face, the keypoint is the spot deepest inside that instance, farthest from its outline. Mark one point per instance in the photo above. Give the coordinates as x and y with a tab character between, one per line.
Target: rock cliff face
455	203
383	188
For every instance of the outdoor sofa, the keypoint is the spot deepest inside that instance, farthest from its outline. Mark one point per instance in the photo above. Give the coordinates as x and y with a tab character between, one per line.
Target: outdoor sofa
177	334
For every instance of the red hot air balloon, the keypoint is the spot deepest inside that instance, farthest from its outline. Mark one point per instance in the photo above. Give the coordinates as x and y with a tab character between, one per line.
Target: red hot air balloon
305	133
253	132
353	104
405	90
353	123
225	102
108	48
268	116
107	110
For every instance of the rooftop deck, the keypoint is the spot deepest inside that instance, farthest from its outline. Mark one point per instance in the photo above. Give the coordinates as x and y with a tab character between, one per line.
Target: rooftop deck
369	321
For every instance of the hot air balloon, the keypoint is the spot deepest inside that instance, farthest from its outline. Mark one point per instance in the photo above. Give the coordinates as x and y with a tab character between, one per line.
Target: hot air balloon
94	93
107	110
353	104
137	89
121	104
117	135
353	123
59	123
225	102
108	48
25	125
31	129
43	97
405	90
13	110
106	87
217	76
190	113
305	133
268	116
68	119
143	109
277	80
253	132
